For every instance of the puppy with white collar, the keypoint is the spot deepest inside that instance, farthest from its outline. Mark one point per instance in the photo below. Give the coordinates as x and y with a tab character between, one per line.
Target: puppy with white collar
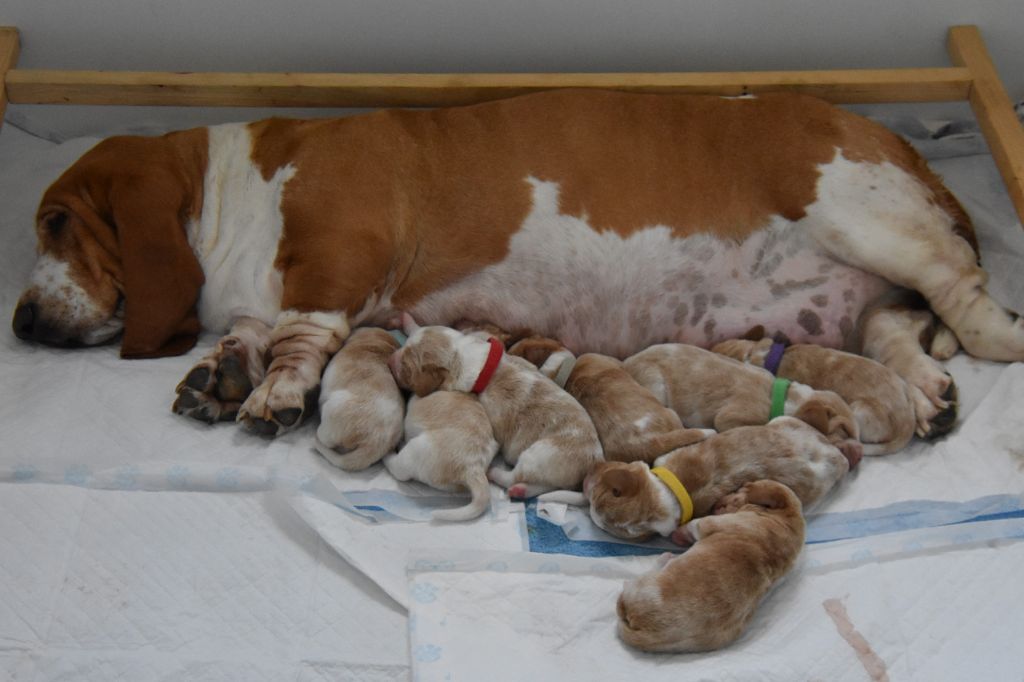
708	390
882	402
635	502
544	434
361	408
449	445
703	599
631	423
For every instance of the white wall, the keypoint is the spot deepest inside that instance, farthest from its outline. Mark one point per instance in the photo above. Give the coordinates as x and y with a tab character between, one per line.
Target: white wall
482	35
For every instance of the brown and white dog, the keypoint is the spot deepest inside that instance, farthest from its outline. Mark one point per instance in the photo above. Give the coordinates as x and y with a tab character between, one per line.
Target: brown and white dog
704	599
609	221
544	434
449	445
630	422
361	407
882	403
630	502
708	390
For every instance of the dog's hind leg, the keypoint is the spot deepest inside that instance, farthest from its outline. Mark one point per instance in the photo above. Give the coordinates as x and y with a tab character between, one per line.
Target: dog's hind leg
899	222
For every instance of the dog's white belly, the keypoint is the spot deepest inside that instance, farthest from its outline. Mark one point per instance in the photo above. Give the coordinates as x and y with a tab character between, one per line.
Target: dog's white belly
600	292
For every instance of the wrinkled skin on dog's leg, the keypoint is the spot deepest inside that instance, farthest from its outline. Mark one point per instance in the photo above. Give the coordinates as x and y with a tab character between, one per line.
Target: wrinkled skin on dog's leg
300	346
213	390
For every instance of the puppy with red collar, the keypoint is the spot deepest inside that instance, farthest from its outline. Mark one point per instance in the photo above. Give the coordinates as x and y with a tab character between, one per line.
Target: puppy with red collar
630	422
708	390
882	402
635	502
704	599
543	432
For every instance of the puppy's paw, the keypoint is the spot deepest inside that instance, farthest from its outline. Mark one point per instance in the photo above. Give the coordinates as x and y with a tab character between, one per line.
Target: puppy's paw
684	536
518	491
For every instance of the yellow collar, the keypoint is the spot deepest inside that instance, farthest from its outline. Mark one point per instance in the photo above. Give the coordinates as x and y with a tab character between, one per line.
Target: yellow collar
679	490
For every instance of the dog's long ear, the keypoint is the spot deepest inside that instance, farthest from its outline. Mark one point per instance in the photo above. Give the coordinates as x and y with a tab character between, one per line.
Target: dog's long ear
161	274
428	379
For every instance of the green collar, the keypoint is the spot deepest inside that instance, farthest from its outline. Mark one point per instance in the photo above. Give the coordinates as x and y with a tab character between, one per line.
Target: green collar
779	389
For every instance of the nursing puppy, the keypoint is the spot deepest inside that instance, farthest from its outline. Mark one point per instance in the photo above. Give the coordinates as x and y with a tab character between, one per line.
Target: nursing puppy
882	402
631	424
704	599
449	445
543	432
361	407
708	390
631	502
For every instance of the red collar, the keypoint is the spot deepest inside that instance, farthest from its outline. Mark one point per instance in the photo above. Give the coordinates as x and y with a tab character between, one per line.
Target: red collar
493	358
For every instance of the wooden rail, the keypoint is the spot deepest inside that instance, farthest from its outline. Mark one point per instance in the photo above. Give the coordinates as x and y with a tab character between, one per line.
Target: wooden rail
973	77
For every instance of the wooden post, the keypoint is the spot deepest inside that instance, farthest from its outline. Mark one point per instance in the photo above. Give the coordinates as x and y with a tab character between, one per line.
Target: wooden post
993	109
9	49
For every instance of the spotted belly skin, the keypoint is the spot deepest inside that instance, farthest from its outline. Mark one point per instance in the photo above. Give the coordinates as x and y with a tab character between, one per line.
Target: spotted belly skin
601	292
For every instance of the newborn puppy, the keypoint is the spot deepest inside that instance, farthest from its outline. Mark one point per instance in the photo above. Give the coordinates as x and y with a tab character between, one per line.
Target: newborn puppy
361	407
543	432
632	502
703	599
630	422
708	390
449	445
882	402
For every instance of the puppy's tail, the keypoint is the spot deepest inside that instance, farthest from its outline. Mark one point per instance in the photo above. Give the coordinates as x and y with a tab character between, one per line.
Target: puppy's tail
480	492
353	460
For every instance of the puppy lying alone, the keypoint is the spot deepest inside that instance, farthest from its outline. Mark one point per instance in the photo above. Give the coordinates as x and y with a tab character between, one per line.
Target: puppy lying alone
632	502
882	402
631	424
708	390
449	445
543	432
361	408
704	599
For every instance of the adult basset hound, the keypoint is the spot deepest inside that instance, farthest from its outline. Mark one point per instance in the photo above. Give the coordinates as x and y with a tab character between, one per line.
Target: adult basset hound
608	221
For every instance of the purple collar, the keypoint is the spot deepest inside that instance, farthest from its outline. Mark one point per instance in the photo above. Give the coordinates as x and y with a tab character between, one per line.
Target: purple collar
774	357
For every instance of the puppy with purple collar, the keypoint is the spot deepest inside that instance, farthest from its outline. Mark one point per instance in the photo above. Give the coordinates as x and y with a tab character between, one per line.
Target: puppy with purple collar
708	390
544	434
882	402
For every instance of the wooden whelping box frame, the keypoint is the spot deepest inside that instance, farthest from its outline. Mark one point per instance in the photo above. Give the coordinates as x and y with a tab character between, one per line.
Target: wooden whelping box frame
972	77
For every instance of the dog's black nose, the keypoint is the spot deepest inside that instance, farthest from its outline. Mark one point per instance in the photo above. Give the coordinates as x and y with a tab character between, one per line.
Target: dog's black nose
25	320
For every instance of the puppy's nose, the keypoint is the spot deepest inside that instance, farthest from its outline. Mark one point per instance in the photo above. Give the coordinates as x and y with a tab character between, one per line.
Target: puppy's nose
25	320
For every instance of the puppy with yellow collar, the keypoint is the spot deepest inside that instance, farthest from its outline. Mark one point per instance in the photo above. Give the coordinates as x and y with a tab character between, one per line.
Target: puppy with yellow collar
634	502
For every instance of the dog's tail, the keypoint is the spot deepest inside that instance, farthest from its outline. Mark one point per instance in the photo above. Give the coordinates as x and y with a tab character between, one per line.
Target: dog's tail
480	492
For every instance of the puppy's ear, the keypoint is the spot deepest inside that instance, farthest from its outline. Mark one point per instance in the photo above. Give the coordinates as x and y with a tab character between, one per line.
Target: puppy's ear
815	413
428	379
769	494
622	482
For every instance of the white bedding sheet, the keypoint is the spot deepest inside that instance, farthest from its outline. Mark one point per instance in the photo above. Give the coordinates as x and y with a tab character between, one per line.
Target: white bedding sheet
138	545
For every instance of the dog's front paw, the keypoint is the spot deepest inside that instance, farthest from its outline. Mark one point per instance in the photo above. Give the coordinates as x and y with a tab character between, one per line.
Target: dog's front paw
279	404
213	390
